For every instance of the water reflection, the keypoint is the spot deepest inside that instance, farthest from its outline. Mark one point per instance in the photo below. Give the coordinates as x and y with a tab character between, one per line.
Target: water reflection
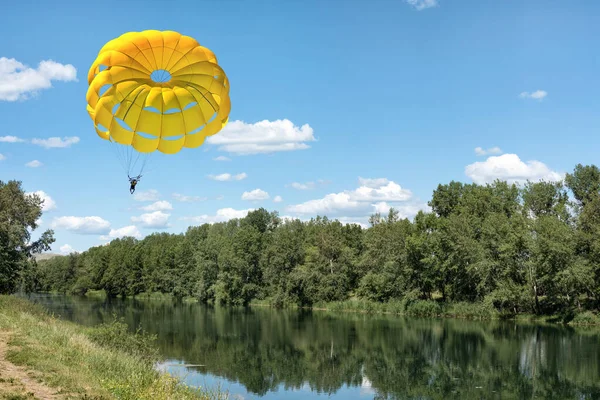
265	353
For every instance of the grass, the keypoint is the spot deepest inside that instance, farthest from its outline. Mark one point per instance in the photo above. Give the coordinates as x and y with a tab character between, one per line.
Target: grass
409	306
104	362
437	309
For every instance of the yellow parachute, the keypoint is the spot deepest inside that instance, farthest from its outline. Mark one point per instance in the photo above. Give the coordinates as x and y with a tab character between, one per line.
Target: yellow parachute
156	90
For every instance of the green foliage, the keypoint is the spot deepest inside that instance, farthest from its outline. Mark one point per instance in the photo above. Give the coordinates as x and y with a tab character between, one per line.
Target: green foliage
116	335
509	249
19	213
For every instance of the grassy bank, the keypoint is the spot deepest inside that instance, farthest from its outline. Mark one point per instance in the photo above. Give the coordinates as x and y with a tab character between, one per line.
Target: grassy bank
435	309
79	362
415	308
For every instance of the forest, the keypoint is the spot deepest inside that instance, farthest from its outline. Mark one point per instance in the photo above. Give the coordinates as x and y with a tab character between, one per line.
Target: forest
531	248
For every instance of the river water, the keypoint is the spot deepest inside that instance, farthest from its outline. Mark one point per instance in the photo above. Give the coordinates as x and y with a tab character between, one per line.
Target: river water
262	353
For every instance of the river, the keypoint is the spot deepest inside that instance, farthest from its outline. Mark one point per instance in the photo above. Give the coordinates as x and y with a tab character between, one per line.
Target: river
262	353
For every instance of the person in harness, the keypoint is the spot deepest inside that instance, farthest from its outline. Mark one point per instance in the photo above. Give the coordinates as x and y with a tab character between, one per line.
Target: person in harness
133	182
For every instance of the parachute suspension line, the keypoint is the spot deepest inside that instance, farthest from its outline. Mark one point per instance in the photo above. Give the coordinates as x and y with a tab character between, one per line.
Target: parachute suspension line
127	153
119	152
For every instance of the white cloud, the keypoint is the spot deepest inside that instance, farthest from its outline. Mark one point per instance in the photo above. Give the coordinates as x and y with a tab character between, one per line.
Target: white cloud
148	195
228	177
67	249
373	183
130	230
309	185
482	152
33	164
371	190
537	95
220	197
222	158
156	219
404	210
303	186
2	157
10	139
48	204
223	214
422	4
188	199
56	142
277	199
262	137
256	194
19	82
83	225
509	167
162	205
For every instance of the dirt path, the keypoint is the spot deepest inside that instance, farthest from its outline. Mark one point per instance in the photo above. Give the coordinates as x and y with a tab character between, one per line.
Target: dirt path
17	380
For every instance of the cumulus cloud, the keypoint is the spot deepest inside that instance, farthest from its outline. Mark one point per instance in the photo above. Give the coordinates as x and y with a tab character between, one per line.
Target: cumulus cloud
404	210
422	4
48	202
10	139
228	177
256	194
56	142
222	215
482	152
509	167
130	231
371	190
308	185
262	137
148	195
20	82
2	157
188	199
277	199
83	225
34	164
537	95
222	158
67	249
156	220
162	205
303	186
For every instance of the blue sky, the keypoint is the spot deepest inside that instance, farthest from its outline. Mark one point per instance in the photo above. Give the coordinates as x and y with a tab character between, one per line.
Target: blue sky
346	107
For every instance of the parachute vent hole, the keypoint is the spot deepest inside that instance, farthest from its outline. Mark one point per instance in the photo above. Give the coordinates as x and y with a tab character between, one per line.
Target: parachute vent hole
116	108
102	128
104	89
102	67
212	118
192	104
153	110
172	138
197	130
216	76
123	124
172	111
160	76
146	135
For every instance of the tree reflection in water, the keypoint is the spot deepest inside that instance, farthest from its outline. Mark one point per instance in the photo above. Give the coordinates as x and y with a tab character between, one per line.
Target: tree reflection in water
357	355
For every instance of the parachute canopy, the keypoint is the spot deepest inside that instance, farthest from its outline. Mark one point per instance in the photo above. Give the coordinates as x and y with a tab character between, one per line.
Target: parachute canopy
157	90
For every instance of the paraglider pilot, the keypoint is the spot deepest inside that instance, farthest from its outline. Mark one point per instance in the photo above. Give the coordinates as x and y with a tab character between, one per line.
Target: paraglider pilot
133	182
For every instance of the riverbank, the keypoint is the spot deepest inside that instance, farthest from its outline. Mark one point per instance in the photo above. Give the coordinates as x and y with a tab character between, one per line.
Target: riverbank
46	358
413	308
435	309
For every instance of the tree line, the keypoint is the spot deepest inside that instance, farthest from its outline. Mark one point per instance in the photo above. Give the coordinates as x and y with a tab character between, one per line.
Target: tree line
520	248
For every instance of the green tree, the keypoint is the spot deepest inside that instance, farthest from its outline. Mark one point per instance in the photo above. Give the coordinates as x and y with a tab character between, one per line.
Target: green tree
19	213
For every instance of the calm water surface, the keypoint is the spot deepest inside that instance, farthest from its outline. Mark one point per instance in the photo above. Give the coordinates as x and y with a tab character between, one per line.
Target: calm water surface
261	353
